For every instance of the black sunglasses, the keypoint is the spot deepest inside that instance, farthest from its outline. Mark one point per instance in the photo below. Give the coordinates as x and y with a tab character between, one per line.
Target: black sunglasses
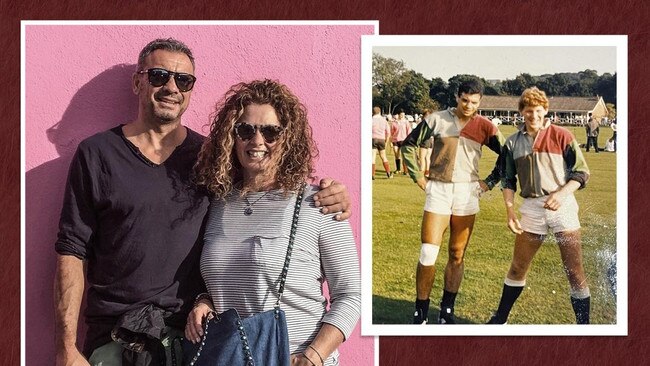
245	131
159	77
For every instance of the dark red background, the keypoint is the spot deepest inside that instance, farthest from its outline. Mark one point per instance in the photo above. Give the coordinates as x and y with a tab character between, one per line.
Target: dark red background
396	17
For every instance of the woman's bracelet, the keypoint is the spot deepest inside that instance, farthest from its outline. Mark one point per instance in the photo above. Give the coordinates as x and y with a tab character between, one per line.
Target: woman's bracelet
322	362
201	296
308	359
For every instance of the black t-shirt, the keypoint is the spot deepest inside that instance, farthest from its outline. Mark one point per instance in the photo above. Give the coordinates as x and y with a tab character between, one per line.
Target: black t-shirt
137	224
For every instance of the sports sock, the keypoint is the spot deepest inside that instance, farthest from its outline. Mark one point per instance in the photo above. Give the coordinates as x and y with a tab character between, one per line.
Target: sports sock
448	299
421	310
581	308
508	298
398	164
373	170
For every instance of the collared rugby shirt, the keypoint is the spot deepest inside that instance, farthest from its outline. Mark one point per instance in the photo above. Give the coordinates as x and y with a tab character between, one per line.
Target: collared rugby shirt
380	128
543	164
456	150
400	130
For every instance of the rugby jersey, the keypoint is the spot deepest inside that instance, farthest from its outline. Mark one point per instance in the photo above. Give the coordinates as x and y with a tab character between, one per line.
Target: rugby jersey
243	257
543	164
380	129
456	151
400	129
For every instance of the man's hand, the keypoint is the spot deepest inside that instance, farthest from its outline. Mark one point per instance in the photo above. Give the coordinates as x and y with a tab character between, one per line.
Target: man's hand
513	223
333	197
554	201
194	327
422	183
70	357
484	186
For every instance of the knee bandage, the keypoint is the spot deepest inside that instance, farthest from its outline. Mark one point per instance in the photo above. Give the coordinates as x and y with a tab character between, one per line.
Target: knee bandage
428	254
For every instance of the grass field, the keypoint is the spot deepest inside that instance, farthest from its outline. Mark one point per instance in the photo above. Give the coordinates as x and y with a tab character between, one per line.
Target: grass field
397	215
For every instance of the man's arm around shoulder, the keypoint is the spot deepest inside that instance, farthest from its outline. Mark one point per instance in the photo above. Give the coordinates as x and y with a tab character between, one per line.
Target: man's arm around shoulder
333	197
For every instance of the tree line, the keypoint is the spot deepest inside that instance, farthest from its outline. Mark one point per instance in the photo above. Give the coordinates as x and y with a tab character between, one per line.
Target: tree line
396	88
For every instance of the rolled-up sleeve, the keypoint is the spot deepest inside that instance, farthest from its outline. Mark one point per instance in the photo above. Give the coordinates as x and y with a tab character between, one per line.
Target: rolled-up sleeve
78	220
495	143
576	164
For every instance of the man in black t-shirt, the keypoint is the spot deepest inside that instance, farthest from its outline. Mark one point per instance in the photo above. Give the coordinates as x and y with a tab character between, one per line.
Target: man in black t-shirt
133	218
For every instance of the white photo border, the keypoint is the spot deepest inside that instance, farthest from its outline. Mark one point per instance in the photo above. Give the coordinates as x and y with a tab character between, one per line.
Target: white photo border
26	23
620	43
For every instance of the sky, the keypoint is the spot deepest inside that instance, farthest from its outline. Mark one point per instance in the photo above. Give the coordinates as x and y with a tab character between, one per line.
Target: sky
500	62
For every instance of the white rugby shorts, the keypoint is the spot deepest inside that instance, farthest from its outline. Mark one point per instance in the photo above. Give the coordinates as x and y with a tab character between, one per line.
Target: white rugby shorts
538	220
458	199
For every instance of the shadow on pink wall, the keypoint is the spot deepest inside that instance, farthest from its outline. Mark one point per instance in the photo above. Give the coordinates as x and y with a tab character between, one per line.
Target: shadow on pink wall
102	103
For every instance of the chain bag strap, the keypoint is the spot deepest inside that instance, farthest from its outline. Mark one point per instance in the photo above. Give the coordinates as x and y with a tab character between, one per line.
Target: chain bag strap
292	237
230	317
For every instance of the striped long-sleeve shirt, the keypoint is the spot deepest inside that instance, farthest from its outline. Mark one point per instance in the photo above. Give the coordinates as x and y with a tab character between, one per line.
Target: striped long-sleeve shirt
543	164
456	150
243	257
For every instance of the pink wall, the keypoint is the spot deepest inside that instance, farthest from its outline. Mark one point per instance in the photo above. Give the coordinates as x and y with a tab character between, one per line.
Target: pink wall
77	82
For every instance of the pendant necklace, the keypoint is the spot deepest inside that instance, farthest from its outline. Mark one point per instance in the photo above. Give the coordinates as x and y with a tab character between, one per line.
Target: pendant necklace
249	206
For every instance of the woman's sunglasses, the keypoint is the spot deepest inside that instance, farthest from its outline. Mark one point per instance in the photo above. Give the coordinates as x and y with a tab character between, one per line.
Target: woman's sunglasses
245	131
159	77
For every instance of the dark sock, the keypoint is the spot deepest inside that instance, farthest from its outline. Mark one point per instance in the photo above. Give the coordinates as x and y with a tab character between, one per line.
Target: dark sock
581	307
508	298
422	309
398	164
448	299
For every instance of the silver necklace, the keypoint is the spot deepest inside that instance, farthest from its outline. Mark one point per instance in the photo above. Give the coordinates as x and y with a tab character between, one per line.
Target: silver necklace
248	210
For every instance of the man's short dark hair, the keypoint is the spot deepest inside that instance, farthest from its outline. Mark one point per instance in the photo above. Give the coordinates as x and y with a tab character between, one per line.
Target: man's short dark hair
472	86
168	44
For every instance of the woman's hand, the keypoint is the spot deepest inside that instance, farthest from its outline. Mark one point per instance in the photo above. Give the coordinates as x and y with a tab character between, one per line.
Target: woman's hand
194	327
299	359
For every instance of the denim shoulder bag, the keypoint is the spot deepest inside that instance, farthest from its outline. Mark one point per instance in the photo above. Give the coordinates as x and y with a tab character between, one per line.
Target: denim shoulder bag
261	339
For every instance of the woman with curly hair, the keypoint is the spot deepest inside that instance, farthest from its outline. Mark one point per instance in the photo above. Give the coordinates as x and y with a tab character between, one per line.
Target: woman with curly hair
255	162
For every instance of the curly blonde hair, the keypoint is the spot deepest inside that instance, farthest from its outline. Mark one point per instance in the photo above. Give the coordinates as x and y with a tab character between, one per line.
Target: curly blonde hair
218	168
532	97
